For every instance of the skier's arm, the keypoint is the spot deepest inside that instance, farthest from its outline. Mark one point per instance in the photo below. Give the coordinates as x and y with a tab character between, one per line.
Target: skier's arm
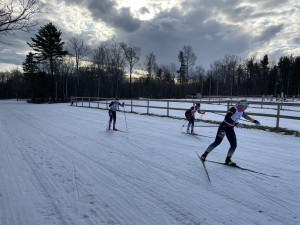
251	119
201	111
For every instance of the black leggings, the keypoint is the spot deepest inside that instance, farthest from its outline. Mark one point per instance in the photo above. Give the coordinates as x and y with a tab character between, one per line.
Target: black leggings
192	121
112	117
223	130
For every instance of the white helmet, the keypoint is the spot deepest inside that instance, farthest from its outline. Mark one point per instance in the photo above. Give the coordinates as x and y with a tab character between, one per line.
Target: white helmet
244	103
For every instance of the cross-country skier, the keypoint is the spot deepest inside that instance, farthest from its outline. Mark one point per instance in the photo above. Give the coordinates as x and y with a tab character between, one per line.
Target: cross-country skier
226	128
190	116
113	107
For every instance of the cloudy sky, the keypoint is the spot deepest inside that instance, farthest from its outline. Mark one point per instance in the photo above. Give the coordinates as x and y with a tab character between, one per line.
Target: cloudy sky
213	28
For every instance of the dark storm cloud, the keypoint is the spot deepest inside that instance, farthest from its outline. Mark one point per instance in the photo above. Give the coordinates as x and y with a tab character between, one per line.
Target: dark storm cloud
297	41
269	33
106	11
169	31
125	21
13	47
144	10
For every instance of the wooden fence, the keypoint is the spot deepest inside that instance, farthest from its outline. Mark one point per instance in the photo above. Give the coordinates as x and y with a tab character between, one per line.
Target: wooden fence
103	103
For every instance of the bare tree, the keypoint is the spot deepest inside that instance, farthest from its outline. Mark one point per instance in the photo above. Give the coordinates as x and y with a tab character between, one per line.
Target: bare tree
66	67
79	50
100	62
150	64
132	55
116	64
16	15
189	58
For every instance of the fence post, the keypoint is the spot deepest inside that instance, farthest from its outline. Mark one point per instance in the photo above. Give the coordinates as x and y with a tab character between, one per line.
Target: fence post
278	115
106	103
82	102
228	102
131	107
98	102
148	107
76	100
168	108
89	102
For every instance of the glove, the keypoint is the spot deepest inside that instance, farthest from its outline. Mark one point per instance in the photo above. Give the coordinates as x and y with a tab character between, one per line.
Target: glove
239	125
256	122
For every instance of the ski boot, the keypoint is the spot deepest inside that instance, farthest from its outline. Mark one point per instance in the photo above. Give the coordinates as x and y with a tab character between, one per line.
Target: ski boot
203	156
229	162
192	129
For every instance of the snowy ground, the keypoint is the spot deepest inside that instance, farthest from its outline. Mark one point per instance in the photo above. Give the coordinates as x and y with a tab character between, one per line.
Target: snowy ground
59	166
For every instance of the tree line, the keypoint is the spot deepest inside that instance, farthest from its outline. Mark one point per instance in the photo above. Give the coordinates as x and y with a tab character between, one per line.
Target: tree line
58	70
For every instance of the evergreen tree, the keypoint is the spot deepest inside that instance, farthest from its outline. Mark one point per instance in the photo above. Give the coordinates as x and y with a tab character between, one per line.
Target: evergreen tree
49	46
285	65
30	65
296	76
264	72
183	69
182	72
37	80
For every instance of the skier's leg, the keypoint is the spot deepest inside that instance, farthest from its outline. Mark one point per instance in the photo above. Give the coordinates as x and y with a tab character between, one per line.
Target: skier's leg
114	120
110	118
219	138
233	144
192	125
188	127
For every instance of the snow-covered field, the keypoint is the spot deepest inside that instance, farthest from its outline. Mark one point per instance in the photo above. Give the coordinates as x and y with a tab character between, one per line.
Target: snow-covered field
60	166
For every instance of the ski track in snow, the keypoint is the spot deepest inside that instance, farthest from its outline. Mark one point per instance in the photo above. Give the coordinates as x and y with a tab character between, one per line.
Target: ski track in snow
60	166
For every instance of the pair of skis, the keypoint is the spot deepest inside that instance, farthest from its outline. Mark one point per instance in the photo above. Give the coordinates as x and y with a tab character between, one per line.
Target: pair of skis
238	167
194	134
117	130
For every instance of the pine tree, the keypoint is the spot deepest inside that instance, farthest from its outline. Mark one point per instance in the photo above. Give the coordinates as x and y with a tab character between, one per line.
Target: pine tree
38	81
182	70
30	65
49	47
264	63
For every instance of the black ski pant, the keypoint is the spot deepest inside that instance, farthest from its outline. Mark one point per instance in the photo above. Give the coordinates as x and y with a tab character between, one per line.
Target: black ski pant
112	117
228	131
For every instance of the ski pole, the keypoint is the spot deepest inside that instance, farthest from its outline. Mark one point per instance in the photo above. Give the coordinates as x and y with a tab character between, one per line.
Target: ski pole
182	127
184	123
201	116
207	126
218	113
223	115
125	116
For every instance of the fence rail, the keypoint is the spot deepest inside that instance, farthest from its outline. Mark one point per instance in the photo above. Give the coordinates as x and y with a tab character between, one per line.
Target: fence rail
93	102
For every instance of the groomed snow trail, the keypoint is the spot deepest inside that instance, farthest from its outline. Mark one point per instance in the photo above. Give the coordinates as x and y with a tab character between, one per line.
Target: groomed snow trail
59	166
